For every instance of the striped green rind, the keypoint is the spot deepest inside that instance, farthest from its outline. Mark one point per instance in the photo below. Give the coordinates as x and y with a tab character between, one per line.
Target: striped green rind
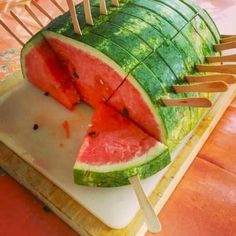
124	39
173	58
150	17
205	16
161	70
121	177
182	9
211	24
175	120
191	5
187	51
145	31
208	39
147	80
162	10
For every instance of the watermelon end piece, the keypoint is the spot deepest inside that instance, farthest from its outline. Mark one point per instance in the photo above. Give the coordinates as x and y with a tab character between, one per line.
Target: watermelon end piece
42	68
116	149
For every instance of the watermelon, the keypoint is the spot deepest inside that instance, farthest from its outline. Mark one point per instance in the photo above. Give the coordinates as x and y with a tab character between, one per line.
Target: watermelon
128	61
48	73
115	150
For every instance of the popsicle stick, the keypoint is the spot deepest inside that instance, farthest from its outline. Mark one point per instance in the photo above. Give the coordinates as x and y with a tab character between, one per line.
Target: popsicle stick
230	69
204	87
228	58
87	11
227	78
21	23
41	9
75	21
11	32
152	221
27	8
115	3
225	46
58	6
103	7
187	102
228	39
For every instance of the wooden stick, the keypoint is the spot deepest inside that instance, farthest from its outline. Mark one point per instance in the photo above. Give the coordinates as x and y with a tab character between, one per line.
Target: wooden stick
225	46
115	3
41	9
75	21
27	8
228	39
11	32
58	6
187	102
227	78
21	22
103	7
229	69
87	11
226	35
228	58
204	87
152	221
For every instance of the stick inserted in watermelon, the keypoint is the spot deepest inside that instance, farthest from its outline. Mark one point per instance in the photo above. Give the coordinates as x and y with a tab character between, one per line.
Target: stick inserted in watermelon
116	149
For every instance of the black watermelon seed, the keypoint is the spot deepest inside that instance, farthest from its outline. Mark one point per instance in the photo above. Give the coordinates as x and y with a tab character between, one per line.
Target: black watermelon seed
125	112
92	133
46	93
35	127
75	74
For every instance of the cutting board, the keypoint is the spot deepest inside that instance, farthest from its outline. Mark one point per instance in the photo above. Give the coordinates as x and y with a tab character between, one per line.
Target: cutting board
42	160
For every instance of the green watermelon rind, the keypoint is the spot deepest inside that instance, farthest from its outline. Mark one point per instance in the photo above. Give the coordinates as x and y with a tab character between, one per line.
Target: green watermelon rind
156	21
186	12
163	10
118	175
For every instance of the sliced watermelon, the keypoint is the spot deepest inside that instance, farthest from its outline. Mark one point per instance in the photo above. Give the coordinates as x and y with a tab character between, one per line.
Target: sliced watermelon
183	10
41	67
115	149
129	60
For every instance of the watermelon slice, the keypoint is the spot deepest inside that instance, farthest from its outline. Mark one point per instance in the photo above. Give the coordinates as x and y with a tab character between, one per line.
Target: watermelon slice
41	67
115	149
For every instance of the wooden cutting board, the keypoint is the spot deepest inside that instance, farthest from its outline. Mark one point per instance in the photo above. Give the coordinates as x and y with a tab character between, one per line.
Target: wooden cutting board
36	172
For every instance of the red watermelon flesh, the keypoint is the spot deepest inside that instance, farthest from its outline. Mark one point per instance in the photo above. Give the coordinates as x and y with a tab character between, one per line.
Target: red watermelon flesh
130	103
95	80
44	70
115	149
113	138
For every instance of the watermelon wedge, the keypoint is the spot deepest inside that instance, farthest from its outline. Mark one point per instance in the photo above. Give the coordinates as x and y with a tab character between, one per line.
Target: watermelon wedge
115	149
42	67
